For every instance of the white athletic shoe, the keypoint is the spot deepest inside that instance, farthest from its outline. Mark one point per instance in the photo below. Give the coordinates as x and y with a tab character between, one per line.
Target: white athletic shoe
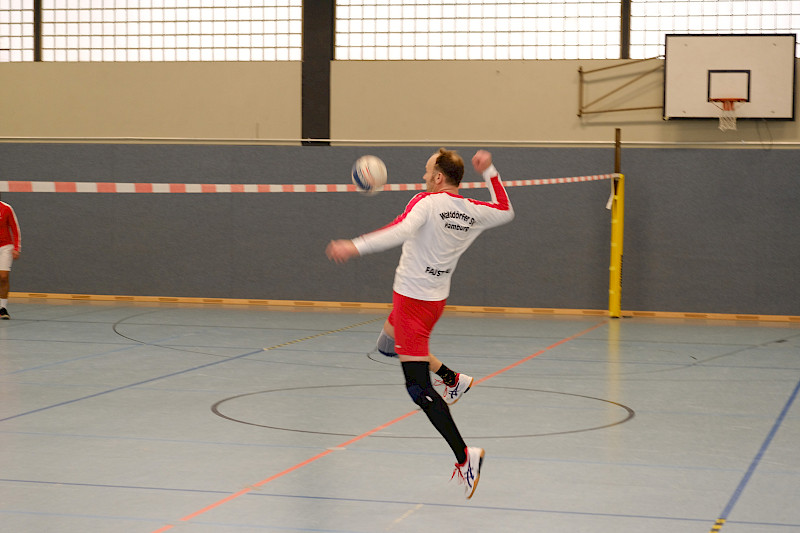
469	473
452	394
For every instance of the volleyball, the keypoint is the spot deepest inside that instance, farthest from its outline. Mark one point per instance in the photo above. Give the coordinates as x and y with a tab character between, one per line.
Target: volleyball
369	174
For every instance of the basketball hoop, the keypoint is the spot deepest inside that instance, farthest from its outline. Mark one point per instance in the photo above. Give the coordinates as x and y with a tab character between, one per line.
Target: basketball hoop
727	117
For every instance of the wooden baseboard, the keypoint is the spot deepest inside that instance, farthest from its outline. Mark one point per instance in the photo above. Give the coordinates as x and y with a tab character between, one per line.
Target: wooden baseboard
377	305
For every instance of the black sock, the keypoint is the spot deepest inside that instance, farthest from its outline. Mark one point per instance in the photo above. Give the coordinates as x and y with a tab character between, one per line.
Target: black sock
447	375
418	383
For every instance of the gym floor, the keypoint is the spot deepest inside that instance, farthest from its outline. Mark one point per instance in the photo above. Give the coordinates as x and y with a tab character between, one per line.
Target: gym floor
146	417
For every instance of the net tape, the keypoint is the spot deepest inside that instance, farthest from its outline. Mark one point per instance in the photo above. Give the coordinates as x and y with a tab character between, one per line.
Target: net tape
221	188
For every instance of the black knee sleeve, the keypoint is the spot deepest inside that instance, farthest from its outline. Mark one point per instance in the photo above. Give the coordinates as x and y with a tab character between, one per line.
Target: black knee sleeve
418	384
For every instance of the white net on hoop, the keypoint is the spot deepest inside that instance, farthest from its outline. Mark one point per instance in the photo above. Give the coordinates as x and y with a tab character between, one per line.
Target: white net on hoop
727	116
727	120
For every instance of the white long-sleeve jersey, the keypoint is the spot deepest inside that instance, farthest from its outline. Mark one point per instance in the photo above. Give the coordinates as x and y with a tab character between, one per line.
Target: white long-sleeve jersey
435	229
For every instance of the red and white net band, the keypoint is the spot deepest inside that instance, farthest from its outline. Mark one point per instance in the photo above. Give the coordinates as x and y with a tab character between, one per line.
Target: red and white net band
218	188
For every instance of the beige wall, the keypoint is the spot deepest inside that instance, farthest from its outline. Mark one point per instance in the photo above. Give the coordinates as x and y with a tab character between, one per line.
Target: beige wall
517	101
163	100
483	101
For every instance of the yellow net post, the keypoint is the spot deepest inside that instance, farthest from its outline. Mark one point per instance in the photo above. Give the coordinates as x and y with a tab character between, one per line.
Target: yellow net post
617	232
615	268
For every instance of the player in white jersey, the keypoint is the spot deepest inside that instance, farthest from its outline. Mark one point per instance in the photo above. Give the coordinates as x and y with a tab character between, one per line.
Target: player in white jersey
435	229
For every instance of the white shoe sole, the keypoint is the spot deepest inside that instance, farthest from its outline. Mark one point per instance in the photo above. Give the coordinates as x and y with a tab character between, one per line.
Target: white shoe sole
477	476
469	386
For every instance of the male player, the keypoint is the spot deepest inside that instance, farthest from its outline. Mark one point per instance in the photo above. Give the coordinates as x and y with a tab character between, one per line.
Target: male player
436	227
10	245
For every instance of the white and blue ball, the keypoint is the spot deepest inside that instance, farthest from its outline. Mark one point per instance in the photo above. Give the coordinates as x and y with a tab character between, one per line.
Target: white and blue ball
369	174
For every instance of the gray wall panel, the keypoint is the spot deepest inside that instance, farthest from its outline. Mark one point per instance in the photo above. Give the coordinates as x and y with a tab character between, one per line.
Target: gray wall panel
706	230
712	231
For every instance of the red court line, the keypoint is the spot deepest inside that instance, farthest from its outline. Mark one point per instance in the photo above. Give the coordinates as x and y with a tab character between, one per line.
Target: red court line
320	455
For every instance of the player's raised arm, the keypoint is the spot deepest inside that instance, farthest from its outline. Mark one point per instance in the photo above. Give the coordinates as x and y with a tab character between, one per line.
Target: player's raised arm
482	161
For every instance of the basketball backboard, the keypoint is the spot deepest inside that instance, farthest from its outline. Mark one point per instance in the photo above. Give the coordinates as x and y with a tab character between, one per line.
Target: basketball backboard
758	69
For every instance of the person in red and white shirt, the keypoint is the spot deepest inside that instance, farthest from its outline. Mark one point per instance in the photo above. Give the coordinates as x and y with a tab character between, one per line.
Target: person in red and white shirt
10	247
435	229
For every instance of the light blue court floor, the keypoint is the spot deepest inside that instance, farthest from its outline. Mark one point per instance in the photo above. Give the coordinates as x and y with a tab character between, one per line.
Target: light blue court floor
144	418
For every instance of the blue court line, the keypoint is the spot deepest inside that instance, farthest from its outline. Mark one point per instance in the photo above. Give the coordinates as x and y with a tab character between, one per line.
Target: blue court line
123	348
470	506
228	526
743	483
106	486
116	389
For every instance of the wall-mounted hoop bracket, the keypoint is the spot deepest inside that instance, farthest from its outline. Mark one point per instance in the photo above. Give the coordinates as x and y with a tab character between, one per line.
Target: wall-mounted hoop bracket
584	107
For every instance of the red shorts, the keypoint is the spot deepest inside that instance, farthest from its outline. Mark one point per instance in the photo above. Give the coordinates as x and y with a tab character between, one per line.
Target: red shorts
413	321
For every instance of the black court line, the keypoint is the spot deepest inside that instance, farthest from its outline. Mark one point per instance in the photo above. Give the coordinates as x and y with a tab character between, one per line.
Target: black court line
123	387
178	373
